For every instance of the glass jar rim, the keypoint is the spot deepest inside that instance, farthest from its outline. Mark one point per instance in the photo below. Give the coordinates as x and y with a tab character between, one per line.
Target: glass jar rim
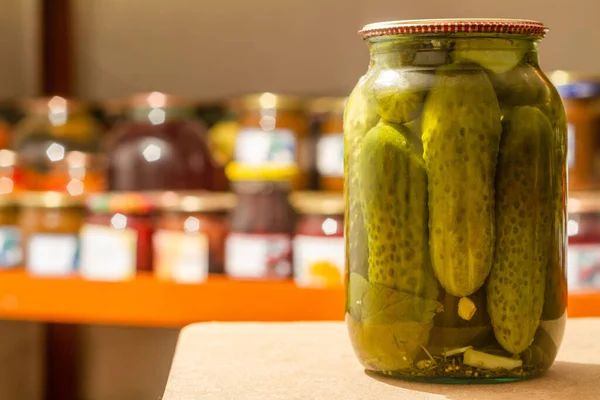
454	25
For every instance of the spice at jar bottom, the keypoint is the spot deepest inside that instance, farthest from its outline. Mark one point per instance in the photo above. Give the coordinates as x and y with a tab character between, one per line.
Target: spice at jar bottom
455	150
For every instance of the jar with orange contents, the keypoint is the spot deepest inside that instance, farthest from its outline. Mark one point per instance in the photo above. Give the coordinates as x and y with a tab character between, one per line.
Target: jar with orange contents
189	241
318	244
11	174
330	147
77	173
273	133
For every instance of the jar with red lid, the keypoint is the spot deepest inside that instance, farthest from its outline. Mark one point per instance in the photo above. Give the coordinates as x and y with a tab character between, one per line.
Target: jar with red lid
160	145
318	244
583	228
116	238
273	134
189	240
260	242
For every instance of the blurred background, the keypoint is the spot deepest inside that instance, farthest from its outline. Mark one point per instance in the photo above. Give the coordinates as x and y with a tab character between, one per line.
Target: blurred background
124	217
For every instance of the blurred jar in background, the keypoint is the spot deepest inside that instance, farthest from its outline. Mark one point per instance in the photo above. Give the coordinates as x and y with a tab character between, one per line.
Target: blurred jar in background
189	241
51	128
116	239
210	112
262	223
318	245
316	112
581	96
109	112
12	179
273	133
50	223
330	147
77	173
222	135
6	130
10	234
160	146
583	228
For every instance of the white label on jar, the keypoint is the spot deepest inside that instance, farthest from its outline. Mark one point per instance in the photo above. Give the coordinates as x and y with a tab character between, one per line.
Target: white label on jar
584	266
10	246
256	146
318	261
181	257
330	155
52	254
570	146
257	256
108	254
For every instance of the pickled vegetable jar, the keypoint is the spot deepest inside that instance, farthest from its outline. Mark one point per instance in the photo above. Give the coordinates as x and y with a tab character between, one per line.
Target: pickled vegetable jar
189	241
455	157
50	223
273	133
318	244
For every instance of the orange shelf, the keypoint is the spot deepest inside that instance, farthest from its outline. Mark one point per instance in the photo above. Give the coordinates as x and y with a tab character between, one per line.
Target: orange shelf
145	301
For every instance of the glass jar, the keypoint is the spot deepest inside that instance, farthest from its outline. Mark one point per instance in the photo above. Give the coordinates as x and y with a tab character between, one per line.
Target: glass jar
222	134
330	147
455	157
77	173
318	244
581	97
189	241
116	238
260	242
12	178
10	234
583	228
160	146
273	133
50	223
51	128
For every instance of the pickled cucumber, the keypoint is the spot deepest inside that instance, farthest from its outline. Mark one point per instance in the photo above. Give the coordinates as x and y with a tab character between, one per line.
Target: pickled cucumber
497	55
520	86
524	207
393	197
359	117
400	93
461	135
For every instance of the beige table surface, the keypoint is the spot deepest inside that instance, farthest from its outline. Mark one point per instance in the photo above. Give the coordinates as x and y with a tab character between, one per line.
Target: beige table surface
258	361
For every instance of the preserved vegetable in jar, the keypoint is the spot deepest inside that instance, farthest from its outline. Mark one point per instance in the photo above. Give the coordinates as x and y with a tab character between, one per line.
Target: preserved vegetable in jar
273	133
77	173
455	166
116	238
189	241
260	242
51	128
583	228
50	223
581	96
318	245
160	146
10	234
330	147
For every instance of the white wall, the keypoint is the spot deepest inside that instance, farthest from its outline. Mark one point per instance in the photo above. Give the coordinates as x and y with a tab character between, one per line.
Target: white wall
212	48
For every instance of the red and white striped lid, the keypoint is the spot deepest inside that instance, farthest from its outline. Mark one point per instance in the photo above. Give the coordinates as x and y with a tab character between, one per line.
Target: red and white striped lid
450	26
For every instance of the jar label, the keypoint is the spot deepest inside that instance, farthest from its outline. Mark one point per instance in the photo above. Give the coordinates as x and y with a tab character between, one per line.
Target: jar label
275	147
258	256
584	266
318	261
330	155
181	257
108	254
10	247
52	254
